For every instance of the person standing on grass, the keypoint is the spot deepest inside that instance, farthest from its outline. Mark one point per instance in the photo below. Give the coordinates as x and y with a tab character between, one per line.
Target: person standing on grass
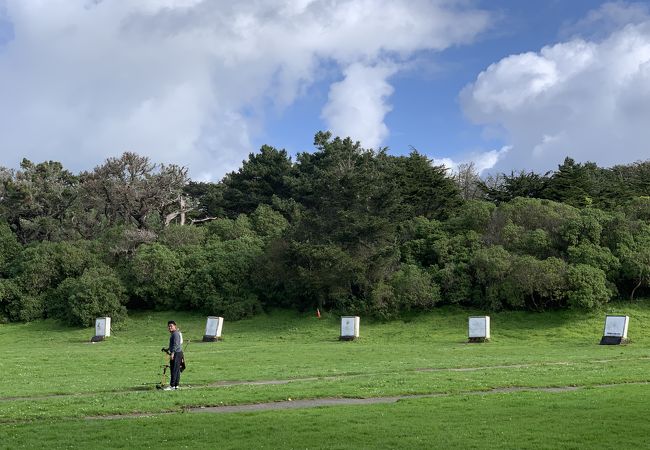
175	351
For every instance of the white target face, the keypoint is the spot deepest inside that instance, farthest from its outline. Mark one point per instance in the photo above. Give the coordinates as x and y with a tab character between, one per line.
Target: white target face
213	326
479	327
476	327
350	326
616	326
100	327
103	326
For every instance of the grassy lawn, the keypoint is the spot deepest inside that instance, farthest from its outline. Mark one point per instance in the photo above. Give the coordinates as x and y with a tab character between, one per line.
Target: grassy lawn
56	379
595	418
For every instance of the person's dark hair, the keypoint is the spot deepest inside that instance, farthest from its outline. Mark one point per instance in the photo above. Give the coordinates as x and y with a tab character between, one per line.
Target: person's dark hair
171	322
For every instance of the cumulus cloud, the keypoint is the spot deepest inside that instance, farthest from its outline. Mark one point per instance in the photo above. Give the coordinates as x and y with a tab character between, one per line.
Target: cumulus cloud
482	161
610	17
588	99
357	104
188	81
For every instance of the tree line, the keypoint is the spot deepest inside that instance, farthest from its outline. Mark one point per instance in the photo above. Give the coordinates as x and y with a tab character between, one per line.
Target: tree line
341	228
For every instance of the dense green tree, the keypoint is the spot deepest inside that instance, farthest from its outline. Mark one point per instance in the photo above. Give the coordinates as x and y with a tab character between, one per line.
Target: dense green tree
536	284
475	215
9	249
208	198
228	229
586	287
639	178
452	269
37	201
324	276
609	187
595	256
42	266
511	223
621	184
262	176
219	277
177	237
492	266
118	243
39	269
422	189
571	183
415	289
635	258
97	292
131	190
157	277
575	184
638	208
344	228
588	227
503	188
409	289
347	222
268	223
18	305
348	195
422	241
537	242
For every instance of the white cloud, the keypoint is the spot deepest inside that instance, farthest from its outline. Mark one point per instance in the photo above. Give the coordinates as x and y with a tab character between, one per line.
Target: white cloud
588	99
608	18
187	81
483	161
487	160
357	104
447	162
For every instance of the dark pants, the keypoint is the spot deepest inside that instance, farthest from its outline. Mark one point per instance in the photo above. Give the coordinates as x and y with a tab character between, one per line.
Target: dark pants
175	368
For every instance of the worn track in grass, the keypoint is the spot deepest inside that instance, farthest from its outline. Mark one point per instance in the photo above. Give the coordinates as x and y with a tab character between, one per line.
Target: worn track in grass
323	402
326	378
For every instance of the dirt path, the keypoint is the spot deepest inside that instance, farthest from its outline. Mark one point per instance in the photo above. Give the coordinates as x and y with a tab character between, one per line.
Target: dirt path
312	403
323	402
149	387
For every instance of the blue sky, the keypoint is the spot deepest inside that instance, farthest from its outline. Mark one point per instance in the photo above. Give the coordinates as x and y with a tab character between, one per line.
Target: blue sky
508	84
426	113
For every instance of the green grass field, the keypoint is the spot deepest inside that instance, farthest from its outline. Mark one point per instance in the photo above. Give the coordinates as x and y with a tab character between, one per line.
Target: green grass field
61	391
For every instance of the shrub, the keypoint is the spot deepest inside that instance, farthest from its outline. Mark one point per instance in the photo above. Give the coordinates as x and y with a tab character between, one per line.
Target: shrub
414	289
595	256
492	265
231	304
177	236
157	276
472	215
534	284
382	301
513	219
42	266
229	229
9	248
587	287
219	281
409	289
267	222
97	292
18	305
